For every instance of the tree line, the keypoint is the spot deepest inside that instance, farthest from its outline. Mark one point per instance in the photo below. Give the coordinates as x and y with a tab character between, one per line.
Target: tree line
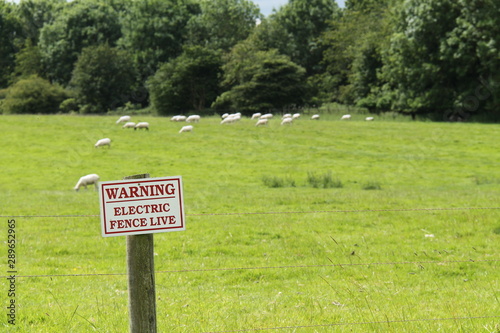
436	58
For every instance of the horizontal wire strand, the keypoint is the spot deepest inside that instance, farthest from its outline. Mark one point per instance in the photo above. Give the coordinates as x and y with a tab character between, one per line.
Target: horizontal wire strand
290	266
277	213
355	323
264	268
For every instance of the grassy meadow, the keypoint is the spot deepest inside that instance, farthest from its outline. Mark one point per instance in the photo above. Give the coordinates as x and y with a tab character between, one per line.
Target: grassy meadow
322	226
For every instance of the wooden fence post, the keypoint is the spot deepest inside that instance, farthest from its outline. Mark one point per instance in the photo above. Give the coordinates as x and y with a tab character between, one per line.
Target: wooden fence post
141	280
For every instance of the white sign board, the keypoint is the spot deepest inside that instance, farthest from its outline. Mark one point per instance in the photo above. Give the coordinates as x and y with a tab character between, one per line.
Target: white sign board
141	206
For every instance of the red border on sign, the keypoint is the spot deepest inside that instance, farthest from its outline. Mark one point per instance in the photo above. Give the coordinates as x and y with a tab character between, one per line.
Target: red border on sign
144	180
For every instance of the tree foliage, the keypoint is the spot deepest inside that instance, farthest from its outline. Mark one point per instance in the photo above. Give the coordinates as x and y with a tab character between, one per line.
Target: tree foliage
435	57
353	52
188	82
441	53
10	29
34	14
103	78
33	95
155	30
260	80
28	62
303	22
223	23
80	24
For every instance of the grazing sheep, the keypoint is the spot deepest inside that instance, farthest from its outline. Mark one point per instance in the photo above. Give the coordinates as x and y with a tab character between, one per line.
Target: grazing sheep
296	116
261	122
287	121
232	118
256	115
225	115
178	118
188	128
87	180
193	118
286	115
315	117
369	118
266	116
228	120
129	125
142	125
123	119
103	142
346	117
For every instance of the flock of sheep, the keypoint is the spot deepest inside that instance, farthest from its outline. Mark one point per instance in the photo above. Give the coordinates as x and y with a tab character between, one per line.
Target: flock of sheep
262	120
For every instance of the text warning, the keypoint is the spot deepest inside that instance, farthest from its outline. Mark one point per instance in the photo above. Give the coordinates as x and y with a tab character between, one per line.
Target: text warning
141	206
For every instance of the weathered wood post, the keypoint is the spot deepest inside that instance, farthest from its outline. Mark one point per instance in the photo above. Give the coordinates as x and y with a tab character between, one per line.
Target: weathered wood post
137	207
141	280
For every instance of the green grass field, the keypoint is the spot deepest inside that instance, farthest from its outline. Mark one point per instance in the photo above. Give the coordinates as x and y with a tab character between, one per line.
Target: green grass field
408	239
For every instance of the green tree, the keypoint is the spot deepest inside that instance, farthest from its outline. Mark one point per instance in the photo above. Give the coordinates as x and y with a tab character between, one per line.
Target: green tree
363	5
103	78
260	80
79	25
28	62
33	14
441	55
353	52
10	30
155	30
188	82
33	95
223	23
270	34
303	21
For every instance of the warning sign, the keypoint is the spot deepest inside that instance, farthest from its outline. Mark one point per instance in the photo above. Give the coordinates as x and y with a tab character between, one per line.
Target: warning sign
141	206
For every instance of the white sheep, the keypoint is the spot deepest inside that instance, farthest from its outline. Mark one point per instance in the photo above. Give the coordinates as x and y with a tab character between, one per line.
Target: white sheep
232	118
235	116
188	128
286	115
103	142
225	115
266	116
129	125
256	115
296	116
228	120
87	180
142	125
369	118
315	117
193	118
346	117
123	119
287	121
261	122
178	118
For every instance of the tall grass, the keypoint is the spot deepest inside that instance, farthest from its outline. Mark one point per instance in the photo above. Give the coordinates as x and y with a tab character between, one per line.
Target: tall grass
300	258
277	181
324	180
371	185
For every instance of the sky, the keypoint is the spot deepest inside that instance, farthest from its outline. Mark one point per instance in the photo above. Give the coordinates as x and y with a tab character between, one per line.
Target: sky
266	6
